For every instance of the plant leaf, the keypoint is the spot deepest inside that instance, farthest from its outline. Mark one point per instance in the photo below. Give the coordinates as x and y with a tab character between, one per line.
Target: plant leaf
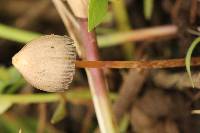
16	80
16	86
188	58
14	74
59	113
148	8
97	11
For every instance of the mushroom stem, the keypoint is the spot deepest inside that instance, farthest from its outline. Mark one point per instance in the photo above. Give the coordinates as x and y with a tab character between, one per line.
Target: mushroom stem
169	63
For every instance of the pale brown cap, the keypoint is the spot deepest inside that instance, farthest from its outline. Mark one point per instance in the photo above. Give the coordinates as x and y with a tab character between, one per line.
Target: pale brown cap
47	63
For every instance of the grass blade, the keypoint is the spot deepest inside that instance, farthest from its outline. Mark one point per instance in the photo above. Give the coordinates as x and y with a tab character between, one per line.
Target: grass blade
188	58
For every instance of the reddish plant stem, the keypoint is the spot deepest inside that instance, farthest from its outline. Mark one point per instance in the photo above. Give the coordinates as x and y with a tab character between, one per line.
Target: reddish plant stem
170	63
96	80
91	54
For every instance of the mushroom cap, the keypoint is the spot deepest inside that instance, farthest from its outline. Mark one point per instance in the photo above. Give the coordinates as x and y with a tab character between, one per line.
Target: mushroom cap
48	62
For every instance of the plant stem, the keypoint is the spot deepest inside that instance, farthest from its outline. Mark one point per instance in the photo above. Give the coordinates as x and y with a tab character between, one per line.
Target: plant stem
70	23
95	76
170	63
108	40
96	81
73	95
17	35
137	35
122	21
42	114
148	8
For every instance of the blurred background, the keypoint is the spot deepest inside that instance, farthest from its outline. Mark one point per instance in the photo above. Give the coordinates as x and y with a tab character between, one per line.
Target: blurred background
144	101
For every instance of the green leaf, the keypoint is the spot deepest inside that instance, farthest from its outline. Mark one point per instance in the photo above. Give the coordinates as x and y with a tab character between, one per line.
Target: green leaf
10	77
59	113
4	106
96	13
188	58
148	8
16	86
16	80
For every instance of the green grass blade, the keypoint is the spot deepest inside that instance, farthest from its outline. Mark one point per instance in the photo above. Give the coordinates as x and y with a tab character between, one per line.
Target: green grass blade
148	8
60	113
188	58
17	35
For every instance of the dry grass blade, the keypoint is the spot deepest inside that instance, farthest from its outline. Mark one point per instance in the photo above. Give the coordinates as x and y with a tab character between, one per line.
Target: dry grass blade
70	23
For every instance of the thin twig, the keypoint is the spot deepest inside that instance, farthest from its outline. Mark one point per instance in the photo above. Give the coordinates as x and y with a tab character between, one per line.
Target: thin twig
128	92
65	14
170	63
70	23
178	80
42	118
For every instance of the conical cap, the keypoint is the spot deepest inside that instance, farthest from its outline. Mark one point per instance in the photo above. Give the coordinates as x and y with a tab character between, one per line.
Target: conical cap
47	63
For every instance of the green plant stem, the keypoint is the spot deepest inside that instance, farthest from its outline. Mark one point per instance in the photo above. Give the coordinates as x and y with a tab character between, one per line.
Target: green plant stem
188	58
104	41
121	17
17	35
148	8
73	95
124	123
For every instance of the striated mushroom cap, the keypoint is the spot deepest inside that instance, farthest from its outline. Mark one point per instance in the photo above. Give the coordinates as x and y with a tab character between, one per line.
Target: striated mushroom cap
47	63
